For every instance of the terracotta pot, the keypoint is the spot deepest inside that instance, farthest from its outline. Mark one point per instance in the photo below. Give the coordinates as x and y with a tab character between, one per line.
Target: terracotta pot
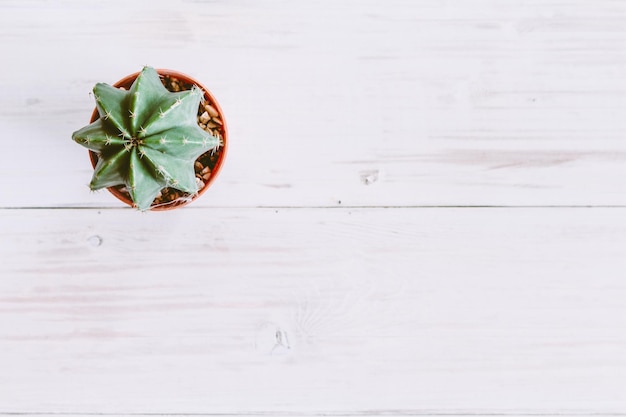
219	155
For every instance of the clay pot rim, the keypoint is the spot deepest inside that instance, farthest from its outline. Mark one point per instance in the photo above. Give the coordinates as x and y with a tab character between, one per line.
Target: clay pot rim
126	82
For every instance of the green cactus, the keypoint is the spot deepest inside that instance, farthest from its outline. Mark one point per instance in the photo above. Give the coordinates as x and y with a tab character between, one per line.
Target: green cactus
147	138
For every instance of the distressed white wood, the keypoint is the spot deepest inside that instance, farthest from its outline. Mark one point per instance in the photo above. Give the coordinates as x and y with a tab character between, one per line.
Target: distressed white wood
324	309
313	311
401	102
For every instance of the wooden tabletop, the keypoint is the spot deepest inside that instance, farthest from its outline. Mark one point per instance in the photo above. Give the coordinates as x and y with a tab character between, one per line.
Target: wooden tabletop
422	212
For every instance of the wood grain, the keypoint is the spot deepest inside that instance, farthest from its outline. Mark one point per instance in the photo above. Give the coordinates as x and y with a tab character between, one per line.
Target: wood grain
496	311
326	272
400	103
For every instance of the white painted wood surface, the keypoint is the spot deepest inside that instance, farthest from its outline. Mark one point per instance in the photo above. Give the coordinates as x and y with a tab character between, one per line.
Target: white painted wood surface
339	265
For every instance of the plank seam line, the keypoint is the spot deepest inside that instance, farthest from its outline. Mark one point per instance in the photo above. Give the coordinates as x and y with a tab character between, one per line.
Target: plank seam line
339	207
381	413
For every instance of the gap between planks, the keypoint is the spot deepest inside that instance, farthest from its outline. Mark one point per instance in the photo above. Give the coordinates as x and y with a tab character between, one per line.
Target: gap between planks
385	413
342	207
362	413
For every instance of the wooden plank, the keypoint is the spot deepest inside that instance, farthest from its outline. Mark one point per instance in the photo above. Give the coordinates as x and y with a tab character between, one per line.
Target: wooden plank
310	311
369	413
478	102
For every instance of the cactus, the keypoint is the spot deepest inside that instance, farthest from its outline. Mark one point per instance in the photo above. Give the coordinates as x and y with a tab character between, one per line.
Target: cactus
147	138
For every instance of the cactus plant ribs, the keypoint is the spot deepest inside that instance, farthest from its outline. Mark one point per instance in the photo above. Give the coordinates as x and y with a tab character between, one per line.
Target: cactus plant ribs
148	140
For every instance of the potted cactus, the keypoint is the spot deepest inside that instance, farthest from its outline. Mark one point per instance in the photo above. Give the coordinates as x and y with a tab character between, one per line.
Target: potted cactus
156	139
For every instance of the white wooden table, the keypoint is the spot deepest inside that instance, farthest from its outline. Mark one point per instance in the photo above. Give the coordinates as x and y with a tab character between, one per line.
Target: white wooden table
423	212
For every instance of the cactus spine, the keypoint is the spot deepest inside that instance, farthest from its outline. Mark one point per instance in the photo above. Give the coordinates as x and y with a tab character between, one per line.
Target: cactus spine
147	138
